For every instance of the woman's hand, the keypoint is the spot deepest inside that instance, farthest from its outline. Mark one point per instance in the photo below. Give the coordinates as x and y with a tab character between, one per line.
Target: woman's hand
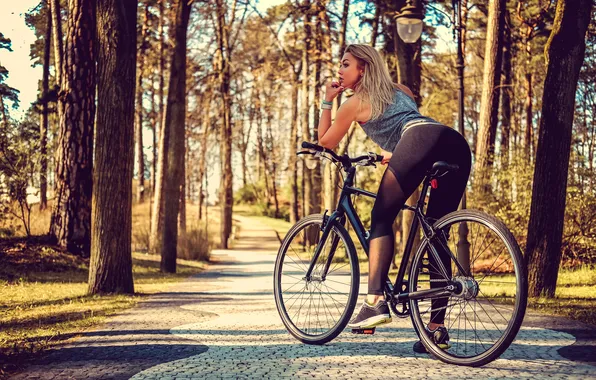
332	89
386	157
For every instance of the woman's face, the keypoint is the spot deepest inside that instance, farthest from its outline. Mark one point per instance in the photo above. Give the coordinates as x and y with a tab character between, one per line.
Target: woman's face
349	72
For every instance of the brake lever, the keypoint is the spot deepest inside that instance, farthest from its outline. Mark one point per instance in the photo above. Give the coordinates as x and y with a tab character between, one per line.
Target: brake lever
304	152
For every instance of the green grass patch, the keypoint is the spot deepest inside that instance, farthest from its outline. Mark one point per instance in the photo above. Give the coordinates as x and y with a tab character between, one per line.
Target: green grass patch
278	225
40	308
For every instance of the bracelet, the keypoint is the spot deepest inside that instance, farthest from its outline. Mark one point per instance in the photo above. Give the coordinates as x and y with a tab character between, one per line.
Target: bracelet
325	106
326	102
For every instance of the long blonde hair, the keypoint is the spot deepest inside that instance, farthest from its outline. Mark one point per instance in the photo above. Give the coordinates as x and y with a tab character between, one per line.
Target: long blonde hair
375	86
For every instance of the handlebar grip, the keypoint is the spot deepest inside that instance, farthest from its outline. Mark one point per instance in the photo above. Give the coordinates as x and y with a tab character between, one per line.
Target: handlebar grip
307	145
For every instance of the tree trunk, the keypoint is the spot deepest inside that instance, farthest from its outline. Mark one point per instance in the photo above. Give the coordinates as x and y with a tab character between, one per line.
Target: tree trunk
274	158
528	101
71	217
506	94
154	121
565	53
139	109
155	238
342	45
318	37
43	124
203	155
110	269
293	159
182	213
306	135
57	33
174	123
157	218
489	104
375	24
183	190
226	200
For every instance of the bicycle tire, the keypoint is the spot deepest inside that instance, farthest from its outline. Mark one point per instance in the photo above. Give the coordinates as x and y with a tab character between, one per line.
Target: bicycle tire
316	221
507	240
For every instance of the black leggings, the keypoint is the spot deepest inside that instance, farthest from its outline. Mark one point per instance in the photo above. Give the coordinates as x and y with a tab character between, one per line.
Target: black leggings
417	150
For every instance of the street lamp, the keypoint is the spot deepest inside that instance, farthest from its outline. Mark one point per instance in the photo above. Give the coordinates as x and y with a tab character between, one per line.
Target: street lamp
409	23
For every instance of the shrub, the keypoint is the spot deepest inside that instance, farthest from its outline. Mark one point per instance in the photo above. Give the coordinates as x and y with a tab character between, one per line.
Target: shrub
511	200
249	194
195	244
140	238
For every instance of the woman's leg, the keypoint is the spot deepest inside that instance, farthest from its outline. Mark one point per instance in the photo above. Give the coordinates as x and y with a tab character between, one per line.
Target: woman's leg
443	200
404	173
390	198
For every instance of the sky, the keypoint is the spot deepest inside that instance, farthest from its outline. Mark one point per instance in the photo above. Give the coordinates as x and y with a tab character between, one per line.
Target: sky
21	75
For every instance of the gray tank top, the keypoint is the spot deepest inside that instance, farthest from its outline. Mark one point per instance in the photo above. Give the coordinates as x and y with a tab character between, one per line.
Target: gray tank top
387	129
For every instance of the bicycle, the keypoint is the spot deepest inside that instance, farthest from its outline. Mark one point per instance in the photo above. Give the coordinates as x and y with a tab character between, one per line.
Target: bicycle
485	288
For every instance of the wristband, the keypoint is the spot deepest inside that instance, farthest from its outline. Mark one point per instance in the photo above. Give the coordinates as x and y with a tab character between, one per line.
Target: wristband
326	102
326	106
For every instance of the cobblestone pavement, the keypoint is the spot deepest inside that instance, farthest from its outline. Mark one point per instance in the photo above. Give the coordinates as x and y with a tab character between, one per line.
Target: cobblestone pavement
223	323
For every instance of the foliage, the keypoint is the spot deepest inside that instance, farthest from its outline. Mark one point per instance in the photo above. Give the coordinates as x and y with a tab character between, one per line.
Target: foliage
19	165
249	194
511	200
195	243
6	92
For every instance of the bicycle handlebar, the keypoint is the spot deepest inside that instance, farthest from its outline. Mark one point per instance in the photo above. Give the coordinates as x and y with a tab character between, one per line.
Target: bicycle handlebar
345	159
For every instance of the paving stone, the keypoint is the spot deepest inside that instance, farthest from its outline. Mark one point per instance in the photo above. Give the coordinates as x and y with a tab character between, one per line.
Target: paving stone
224	324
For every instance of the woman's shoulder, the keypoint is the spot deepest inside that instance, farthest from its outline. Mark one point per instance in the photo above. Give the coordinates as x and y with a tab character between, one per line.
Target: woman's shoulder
361	107
405	90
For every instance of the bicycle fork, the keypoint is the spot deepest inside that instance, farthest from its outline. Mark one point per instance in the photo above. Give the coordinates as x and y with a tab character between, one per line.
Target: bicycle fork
327	227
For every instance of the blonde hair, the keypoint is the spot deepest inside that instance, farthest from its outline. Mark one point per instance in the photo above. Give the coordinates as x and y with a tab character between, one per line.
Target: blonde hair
375	86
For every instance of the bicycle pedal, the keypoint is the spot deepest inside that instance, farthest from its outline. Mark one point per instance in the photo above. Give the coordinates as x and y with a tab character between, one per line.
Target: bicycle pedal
369	331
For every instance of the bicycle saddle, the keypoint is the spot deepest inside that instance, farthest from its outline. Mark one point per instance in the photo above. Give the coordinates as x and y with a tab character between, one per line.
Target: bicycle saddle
441	167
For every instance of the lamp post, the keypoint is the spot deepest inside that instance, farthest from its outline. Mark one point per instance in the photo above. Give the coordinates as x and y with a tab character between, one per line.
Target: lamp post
409	28
409	23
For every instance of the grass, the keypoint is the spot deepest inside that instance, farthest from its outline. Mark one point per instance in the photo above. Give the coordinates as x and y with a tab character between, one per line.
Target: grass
576	288
278	225
43	291
41	308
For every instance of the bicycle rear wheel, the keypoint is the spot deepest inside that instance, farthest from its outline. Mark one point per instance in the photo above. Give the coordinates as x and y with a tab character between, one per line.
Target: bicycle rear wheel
316	310
485	312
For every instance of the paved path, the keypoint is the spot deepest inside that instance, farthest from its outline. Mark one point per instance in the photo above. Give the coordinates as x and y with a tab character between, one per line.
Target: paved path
223	323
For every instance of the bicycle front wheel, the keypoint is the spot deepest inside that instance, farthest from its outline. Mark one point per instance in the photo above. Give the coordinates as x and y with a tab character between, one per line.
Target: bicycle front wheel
317	309
486	310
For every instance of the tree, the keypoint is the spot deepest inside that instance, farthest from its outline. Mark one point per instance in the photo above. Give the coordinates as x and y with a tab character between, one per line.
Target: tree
506	92
564	54
6	92
57	33
531	26
43	123
139	106
110	270
489	105
307	201
173	136
225	72
71	217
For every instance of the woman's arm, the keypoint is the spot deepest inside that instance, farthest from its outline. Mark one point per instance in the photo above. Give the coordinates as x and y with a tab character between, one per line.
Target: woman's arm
331	134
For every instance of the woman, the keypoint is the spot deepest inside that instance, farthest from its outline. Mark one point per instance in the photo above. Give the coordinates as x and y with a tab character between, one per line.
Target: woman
411	143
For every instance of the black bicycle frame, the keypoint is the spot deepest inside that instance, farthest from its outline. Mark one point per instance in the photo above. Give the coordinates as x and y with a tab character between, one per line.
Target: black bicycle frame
345	209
